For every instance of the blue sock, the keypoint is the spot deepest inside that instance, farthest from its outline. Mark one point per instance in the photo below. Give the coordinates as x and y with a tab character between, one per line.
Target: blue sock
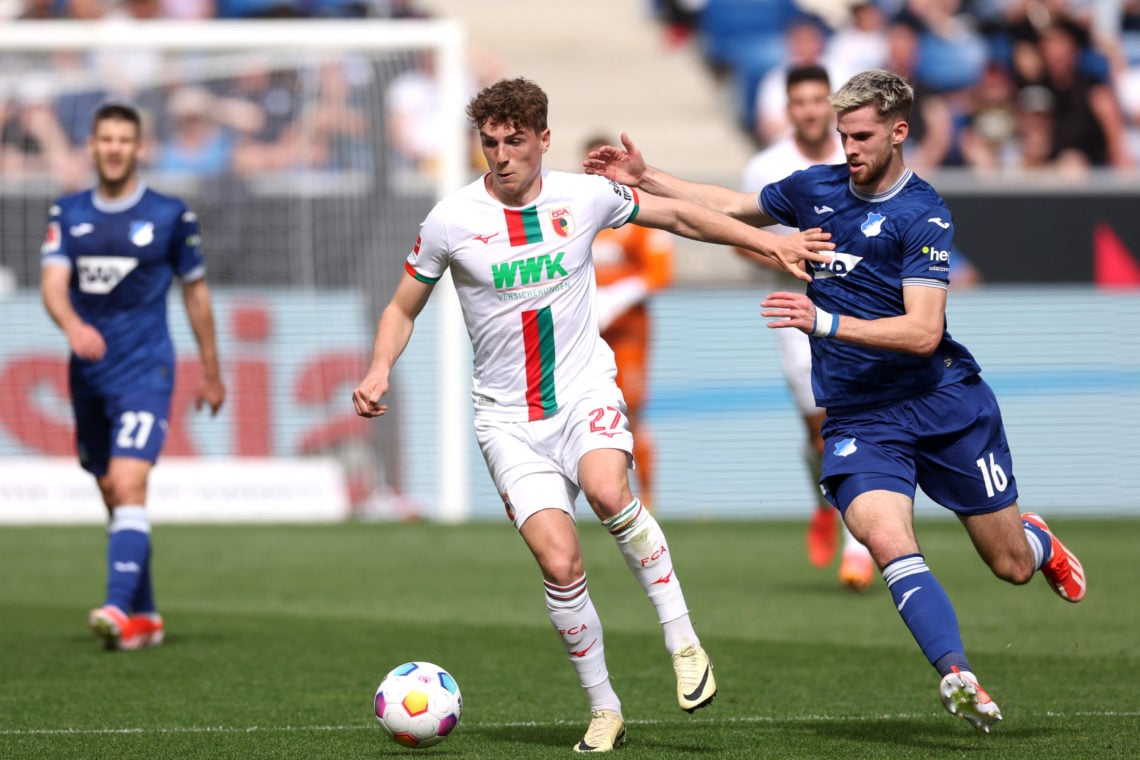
144	594
1039	541
127	548
927	612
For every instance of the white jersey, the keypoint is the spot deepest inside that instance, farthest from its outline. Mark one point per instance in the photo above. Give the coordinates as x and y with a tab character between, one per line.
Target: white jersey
780	159
525	280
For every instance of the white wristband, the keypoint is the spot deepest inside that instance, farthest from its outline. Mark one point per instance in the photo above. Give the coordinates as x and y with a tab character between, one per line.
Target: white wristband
825	325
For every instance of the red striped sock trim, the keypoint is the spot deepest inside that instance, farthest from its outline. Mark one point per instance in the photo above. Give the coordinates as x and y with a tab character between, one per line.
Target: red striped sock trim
566	593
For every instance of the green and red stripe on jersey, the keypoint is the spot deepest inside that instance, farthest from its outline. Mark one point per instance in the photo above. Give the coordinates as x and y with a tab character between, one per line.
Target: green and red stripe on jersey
421	277
538	341
523	226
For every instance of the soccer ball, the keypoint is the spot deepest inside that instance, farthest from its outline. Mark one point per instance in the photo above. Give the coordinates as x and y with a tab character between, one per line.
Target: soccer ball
418	704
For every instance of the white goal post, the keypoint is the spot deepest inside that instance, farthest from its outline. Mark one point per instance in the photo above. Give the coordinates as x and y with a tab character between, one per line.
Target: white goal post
303	248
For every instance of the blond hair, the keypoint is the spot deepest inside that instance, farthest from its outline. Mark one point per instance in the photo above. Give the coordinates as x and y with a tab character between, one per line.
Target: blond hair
886	91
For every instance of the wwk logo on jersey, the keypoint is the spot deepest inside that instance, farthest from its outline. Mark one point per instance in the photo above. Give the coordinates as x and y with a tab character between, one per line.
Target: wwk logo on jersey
840	265
100	274
528	271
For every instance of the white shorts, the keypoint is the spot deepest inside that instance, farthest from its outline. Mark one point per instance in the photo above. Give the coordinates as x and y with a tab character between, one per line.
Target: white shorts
795	355
534	465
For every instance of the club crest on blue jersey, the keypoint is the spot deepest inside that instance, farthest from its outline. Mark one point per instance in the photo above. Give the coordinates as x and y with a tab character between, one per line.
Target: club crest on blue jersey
142	233
845	448
873	225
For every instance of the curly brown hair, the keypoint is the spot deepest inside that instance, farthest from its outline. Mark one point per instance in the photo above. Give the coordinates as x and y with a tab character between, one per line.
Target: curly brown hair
518	102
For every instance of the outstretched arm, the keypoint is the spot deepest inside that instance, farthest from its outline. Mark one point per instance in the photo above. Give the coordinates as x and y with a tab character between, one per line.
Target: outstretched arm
699	223
392	336
918	331
628	167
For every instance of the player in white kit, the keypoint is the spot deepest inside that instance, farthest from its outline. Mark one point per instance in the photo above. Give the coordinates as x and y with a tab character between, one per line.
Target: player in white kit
813	140
549	417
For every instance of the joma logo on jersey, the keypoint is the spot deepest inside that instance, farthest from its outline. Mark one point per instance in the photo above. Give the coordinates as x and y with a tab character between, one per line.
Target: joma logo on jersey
528	271
100	274
840	266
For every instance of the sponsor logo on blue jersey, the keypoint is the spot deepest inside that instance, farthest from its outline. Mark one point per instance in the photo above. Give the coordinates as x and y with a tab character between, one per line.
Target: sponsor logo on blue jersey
873	225
840	265
100	274
846	447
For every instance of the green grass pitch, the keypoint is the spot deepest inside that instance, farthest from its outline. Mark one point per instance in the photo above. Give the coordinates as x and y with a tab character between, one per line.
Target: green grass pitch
278	636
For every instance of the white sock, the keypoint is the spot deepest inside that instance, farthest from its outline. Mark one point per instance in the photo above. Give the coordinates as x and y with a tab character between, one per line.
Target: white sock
642	544
1036	547
576	622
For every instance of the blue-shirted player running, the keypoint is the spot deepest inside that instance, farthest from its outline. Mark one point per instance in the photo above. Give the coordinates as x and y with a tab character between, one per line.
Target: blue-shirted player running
905	403
109	257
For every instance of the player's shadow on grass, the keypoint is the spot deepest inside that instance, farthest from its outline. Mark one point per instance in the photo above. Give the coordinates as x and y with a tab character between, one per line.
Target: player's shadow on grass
948	735
558	737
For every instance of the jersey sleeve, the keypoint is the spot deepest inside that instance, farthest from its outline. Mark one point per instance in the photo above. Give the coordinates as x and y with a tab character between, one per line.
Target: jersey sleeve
926	245
617	204
430	256
53	251
186	247
775	200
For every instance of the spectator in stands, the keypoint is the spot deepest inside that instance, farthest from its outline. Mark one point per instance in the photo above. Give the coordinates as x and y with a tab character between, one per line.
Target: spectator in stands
274	93
41	10
188	10
335	125
32	141
1087	119
202	141
951	54
805	39
1035	128
237	9
680	18
860	43
989	139
931	121
412	108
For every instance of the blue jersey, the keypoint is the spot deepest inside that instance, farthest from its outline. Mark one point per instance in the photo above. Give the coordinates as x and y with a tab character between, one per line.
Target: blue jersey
123	256
883	243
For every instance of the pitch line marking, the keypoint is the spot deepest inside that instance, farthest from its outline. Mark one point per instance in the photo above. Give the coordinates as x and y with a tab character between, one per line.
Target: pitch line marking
526	724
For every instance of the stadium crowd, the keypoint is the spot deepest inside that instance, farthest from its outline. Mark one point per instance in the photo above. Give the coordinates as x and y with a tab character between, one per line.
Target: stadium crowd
1001	84
246	115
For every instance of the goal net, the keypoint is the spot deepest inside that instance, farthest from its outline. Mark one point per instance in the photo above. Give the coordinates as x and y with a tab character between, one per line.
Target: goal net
289	141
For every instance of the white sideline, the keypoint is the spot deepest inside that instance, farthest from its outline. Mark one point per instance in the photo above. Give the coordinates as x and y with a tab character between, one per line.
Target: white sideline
538	724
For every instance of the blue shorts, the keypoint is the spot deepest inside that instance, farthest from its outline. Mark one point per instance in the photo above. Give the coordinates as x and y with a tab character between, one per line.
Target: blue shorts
129	424
950	442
